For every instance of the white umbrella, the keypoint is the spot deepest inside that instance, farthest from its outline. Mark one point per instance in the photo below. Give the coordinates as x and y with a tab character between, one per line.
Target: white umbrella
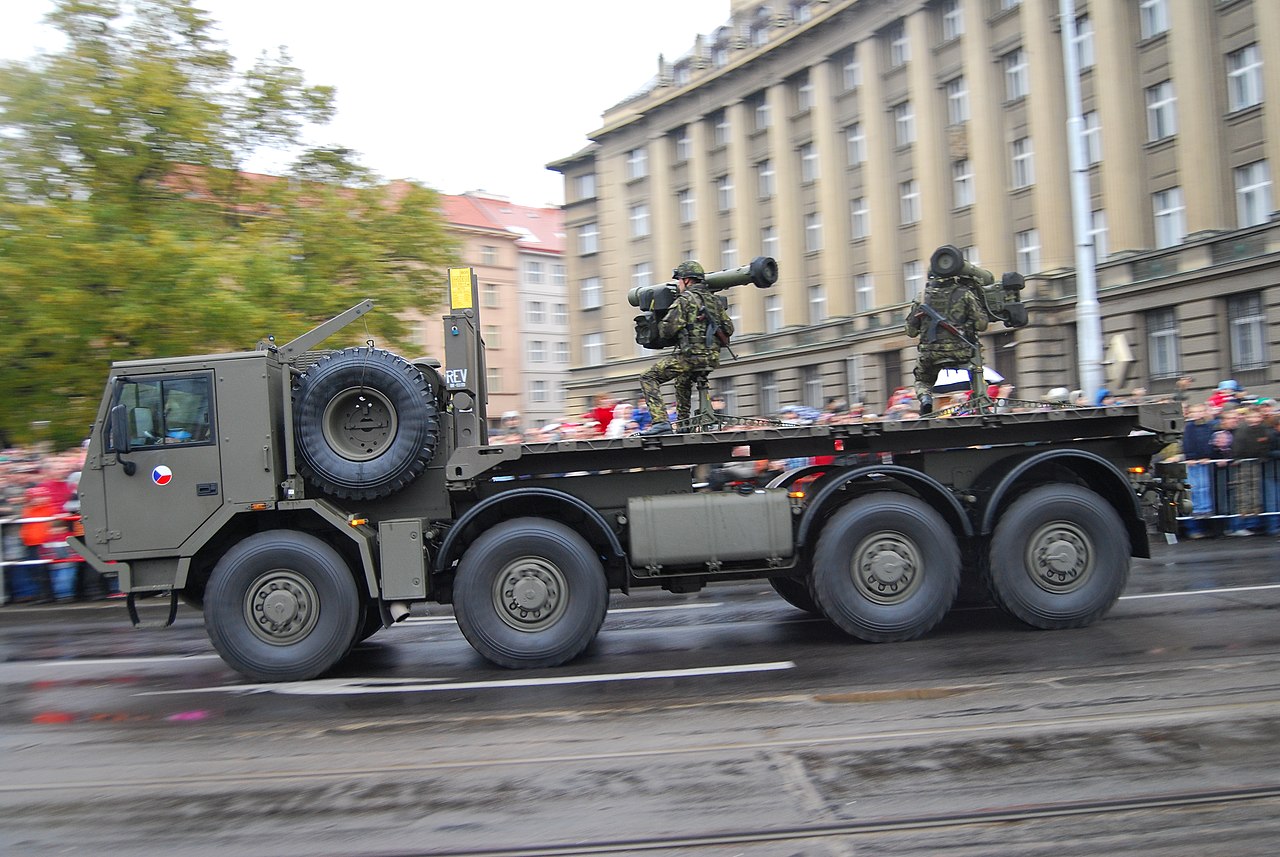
957	380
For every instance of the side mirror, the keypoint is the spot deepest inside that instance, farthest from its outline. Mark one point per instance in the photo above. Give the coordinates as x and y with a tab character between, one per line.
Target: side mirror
118	437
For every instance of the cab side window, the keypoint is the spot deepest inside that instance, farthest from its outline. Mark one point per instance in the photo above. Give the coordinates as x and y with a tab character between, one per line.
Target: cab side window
168	411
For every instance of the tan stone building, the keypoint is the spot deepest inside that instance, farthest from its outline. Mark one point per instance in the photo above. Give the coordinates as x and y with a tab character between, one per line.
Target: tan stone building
849	138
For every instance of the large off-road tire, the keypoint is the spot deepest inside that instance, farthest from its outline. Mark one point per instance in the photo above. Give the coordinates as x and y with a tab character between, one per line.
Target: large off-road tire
886	567
530	593
1059	557
366	423
795	591
282	606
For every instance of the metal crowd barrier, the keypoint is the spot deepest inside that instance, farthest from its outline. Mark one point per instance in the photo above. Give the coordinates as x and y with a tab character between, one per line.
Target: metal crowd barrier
1234	492
73	522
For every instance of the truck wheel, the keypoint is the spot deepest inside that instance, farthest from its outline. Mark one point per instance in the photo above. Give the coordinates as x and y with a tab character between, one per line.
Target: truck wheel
795	591
886	567
366	423
1059	557
530	593
282	606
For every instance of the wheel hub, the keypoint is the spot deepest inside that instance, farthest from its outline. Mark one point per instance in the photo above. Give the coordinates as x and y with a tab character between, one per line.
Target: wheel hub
281	607
886	567
530	594
359	423
1058	557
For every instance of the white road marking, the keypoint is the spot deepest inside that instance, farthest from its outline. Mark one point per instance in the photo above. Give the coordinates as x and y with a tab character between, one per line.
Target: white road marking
1221	591
349	686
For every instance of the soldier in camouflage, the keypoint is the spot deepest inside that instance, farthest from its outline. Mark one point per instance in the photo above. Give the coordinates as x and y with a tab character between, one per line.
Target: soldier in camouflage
694	312
948	342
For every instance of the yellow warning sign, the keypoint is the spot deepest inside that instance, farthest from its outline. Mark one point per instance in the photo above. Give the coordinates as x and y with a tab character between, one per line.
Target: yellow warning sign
460	293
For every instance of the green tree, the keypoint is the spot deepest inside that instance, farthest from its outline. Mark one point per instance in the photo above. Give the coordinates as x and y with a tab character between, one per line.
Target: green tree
128	229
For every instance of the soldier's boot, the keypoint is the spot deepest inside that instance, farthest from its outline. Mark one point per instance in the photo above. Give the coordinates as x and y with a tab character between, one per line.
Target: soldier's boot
662	426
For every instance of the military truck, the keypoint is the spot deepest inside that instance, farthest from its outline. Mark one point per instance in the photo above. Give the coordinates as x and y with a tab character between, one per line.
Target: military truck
304	499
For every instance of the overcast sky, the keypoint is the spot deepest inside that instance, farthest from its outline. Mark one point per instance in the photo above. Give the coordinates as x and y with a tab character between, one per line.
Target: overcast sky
458	94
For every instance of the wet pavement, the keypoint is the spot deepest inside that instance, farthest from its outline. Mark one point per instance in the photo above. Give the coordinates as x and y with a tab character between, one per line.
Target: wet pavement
722	714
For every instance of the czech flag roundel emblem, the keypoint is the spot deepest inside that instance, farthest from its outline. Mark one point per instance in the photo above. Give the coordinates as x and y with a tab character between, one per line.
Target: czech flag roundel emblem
161	475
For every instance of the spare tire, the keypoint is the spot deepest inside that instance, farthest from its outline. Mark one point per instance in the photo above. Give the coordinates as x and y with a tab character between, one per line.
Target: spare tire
366	423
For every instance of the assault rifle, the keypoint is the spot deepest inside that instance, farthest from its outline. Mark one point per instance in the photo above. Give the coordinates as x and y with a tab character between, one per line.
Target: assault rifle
938	320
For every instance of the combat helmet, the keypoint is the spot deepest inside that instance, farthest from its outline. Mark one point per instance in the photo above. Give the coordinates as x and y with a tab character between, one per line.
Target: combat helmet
690	269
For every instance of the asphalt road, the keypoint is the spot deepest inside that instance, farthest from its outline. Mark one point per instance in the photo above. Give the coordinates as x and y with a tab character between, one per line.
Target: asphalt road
721	723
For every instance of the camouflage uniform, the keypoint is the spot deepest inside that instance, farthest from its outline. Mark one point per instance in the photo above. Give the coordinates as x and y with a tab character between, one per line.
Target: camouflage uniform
942	349
692	357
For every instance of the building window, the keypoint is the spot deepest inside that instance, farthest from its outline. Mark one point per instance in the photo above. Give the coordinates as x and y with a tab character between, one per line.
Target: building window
864	293
1244	77
489	294
769	403
765	179
808	162
728	254
560	314
760	111
1084	42
912	280
724	194
1253	194
735	315
1098	232
537	391
493	375
769	241
1162	343
1248	348
488	255
537	351
812	383
817	304
1153	16
855	144
533	272
962	183
971	254
558	276
1028	246
899	46
812	233
1006	5
850	70
801	13
720	128
957	101
1024	170
720	55
641	275
772	314
859	218
684	205
493	337
593	348
803	92
639	220
562	352
1016	84
1170	219
952	20
588	239
536	313
1092	134
683	144
590	295
909	202
637	163
586	186
904	124
1161	119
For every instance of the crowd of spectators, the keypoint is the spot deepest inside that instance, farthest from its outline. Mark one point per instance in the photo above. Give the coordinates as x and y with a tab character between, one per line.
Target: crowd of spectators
39	508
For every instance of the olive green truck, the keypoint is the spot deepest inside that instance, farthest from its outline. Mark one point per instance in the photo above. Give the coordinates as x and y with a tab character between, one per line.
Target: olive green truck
303	499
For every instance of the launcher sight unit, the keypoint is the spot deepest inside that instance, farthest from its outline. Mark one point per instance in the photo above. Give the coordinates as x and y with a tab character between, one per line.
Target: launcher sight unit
1001	301
654	301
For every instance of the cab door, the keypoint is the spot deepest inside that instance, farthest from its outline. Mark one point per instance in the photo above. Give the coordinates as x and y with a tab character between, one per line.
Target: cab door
176	484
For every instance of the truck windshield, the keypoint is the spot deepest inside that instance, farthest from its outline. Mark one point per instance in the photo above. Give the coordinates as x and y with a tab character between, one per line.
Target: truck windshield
168	411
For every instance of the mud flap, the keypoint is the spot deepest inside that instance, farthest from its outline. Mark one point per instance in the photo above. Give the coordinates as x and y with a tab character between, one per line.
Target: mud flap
130	603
